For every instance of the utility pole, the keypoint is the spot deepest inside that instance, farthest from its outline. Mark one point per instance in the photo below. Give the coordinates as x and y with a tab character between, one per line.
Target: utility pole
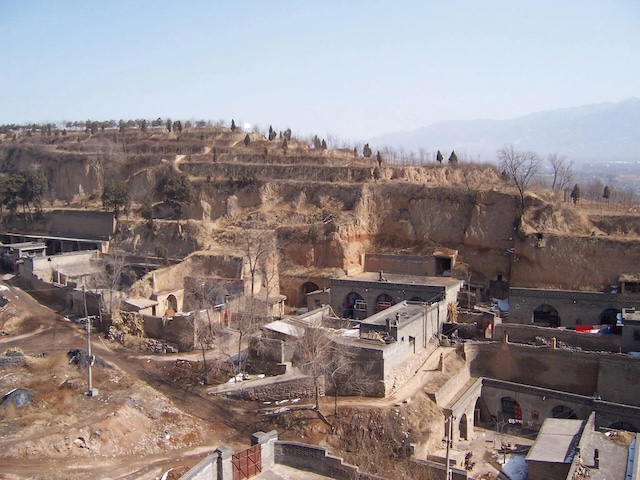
449	433
91	392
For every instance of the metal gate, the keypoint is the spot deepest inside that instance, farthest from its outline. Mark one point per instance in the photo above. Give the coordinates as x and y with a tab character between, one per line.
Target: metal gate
247	463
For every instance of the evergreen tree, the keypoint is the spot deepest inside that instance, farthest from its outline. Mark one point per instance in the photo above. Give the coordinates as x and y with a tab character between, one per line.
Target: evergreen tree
143	126
115	197
177	192
439	157
177	126
285	145
379	158
272	133
233	125
247	140
366	151
606	194
453	158
575	194
323	145
169	124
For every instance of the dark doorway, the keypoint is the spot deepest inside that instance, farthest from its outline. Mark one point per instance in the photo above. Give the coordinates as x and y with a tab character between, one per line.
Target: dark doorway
546	315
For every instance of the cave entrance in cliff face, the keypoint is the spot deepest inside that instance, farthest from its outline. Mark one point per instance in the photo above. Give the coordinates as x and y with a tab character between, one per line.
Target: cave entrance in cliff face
546	315
308	287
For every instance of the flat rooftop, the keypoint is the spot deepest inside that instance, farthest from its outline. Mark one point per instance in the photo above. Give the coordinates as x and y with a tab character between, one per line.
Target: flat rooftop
25	245
403	279
404	309
556	441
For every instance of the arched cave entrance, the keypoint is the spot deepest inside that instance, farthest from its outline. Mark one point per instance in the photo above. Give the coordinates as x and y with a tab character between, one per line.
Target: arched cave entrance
354	306
383	302
562	411
510	408
308	287
463	427
609	316
305	289
546	315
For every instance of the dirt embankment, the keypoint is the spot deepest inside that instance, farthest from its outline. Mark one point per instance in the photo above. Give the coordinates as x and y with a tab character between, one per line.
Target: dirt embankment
329	207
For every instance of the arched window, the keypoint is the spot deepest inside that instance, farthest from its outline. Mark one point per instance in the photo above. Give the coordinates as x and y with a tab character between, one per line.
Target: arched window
462	427
562	411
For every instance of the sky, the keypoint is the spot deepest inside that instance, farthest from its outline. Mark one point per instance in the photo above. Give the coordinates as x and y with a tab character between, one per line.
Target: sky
352	69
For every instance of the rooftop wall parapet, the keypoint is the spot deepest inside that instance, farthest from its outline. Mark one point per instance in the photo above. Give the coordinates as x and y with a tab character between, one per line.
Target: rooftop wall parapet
571	294
383	284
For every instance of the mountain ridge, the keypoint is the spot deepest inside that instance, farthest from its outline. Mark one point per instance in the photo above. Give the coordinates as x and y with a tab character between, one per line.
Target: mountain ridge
604	131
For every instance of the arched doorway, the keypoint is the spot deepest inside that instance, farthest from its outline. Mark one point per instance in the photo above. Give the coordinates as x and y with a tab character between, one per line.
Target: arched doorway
172	306
562	411
477	412
609	316
510	408
383	302
463	427
354	306
546	315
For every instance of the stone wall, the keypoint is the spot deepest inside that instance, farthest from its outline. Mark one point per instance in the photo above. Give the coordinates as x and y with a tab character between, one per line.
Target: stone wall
277	389
402	264
613	377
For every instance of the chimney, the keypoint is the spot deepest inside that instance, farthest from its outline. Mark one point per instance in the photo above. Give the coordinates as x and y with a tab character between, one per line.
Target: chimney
596	459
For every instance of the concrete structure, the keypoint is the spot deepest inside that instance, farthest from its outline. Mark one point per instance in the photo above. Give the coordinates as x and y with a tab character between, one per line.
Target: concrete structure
566	308
13	252
57	245
267	451
574	449
368	293
270	458
551	455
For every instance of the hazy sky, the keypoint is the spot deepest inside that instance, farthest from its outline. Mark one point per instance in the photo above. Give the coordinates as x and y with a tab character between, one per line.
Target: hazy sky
352	68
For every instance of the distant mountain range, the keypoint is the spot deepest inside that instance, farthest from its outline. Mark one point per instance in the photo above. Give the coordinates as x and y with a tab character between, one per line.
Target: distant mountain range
601	132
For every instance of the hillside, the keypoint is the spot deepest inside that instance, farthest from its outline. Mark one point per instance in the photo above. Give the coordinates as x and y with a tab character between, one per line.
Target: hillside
328	207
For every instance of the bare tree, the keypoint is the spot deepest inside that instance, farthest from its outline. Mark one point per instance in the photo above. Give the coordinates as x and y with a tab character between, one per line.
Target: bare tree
256	249
269	270
247	321
562	173
520	167
315	350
